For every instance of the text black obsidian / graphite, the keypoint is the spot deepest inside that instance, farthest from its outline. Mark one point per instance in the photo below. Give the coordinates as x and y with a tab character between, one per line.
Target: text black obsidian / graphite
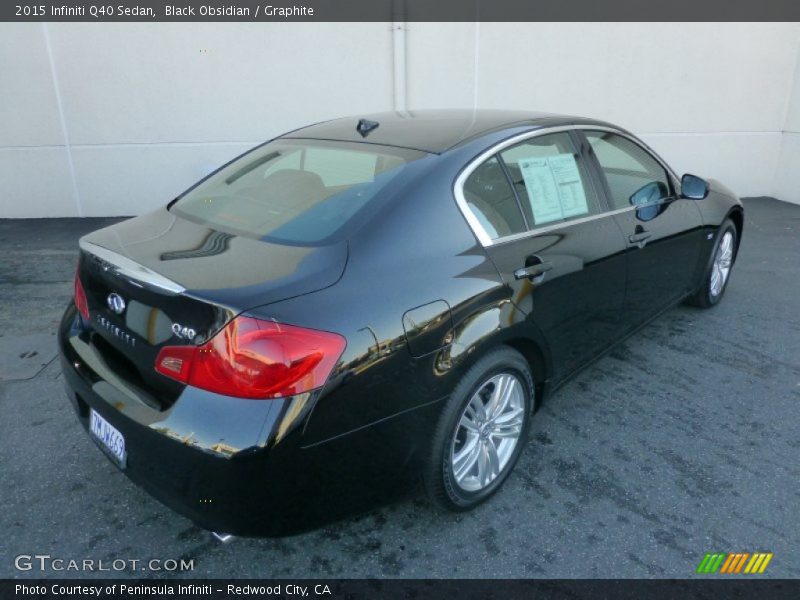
238	11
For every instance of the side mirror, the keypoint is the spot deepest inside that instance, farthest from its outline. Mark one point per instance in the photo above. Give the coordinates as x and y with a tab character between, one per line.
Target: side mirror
694	187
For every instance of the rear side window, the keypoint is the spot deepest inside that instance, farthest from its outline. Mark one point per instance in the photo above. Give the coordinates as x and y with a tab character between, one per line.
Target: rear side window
294	191
550	180
492	201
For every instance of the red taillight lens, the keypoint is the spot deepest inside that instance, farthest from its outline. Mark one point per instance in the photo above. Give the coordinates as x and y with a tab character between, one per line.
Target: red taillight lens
251	358
80	297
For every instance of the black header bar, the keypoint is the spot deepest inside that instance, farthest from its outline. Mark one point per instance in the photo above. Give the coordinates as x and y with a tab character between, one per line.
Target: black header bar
148	11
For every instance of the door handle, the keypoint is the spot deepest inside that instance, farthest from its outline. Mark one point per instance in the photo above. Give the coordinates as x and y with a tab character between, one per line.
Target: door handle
639	238
533	271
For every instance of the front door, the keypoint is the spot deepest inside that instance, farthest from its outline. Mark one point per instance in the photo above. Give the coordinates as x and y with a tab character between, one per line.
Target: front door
663	232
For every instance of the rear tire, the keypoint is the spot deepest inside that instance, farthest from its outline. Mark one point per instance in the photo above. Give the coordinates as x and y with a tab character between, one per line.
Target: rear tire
718	272
481	431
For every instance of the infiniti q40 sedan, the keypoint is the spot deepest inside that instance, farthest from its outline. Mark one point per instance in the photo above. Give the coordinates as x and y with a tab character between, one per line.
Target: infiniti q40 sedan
371	303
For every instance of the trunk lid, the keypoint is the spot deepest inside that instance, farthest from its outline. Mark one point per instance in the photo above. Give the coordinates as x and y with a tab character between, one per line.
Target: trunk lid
160	280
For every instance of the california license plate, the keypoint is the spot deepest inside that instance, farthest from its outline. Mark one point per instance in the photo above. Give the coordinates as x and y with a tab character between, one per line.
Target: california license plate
108	436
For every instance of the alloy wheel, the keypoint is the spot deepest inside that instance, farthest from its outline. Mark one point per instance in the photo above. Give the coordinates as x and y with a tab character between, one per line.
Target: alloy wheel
488	432
721	267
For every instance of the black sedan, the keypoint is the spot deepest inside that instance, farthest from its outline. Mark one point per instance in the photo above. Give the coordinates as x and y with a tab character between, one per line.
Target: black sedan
366	304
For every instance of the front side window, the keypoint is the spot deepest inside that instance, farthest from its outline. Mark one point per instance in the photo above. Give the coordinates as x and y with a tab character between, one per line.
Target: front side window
294	191
550	180
634	177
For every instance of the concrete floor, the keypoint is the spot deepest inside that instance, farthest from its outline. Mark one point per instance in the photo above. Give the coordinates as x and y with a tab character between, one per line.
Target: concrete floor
683	440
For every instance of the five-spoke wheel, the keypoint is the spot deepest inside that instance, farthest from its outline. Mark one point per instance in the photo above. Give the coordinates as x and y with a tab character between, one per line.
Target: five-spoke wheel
481	431
488	432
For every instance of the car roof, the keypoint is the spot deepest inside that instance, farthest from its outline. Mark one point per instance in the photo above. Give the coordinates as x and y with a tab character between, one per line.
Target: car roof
429	130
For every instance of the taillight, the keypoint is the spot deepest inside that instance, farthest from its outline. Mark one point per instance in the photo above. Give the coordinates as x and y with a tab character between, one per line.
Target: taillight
251	358
80	297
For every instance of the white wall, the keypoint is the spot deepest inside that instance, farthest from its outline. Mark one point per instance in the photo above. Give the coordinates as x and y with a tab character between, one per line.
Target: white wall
709	97
116	119
113	119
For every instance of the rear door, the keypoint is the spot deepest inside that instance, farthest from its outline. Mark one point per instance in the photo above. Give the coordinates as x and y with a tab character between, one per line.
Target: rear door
554	241
662	231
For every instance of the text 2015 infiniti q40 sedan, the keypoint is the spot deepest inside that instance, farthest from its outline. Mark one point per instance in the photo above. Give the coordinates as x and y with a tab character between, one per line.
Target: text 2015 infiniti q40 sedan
363	304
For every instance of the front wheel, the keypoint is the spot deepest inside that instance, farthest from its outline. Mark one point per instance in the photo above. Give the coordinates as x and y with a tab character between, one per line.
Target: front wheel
481	431
716	277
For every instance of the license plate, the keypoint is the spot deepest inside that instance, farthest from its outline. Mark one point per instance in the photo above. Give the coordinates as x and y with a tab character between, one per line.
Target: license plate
110	438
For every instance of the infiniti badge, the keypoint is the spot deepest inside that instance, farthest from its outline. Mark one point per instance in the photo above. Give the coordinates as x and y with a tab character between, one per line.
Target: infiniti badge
117	332
116	303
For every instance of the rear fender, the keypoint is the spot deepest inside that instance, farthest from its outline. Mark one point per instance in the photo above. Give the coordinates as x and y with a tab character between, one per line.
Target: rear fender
500	322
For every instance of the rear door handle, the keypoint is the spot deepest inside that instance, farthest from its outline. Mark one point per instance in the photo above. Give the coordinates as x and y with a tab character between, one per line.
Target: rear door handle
533	271
639	238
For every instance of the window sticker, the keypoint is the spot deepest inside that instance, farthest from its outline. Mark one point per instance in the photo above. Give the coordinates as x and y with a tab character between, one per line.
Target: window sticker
570	188
554	187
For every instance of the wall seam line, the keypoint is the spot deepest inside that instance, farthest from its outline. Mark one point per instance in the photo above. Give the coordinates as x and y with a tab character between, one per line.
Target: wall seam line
787	110
64	131
476	63
131	145
788	104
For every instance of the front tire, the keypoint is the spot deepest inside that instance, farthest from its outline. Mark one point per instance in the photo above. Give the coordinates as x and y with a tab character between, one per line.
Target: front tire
481	431
718	272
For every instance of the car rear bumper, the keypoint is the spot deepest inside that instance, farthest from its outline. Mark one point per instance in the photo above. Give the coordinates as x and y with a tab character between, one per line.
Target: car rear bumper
232	465
206	457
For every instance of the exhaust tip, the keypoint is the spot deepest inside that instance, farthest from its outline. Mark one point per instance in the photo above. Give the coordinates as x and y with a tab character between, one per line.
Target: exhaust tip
223	537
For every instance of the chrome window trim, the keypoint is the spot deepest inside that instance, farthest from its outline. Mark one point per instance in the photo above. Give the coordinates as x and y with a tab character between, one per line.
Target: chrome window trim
560	225
124	266
483	236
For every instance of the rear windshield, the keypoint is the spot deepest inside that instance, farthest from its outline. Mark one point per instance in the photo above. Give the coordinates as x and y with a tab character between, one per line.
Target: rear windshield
294	191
